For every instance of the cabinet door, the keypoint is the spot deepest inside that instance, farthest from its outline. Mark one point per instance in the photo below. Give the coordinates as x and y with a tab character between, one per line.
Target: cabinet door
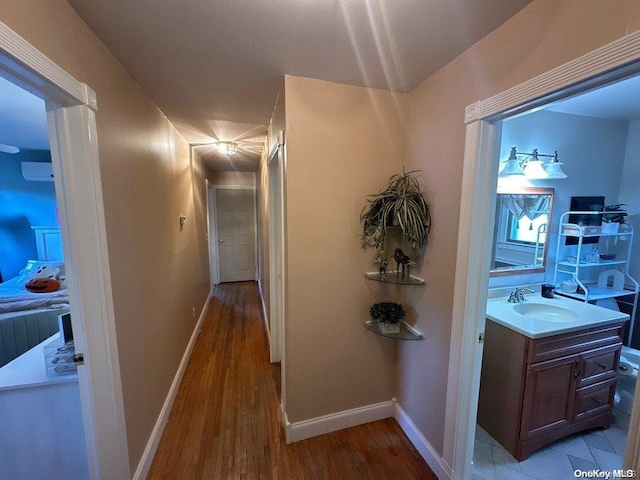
548	396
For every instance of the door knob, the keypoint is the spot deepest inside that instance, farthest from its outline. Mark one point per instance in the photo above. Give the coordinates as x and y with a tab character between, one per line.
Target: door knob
220	240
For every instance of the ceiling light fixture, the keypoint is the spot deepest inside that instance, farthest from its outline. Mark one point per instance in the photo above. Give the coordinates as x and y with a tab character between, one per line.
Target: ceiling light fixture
532	167
227	148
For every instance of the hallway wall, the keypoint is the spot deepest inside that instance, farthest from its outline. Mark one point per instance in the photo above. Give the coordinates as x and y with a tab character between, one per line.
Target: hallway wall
342	144
159	271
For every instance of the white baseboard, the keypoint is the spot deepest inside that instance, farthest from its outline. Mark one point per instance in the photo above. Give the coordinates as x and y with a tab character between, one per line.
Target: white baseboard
264	314
152	445
285	423
295	432
435	462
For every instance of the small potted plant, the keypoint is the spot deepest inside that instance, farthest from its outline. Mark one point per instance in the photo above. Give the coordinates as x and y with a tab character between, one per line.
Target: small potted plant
388	315
401	202
612	217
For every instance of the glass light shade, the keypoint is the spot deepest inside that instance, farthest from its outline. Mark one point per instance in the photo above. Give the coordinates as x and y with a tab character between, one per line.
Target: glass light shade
533	170
227	148
554	170
511	168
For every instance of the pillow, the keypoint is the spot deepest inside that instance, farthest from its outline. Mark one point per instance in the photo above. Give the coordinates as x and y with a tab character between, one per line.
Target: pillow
30	271
42	285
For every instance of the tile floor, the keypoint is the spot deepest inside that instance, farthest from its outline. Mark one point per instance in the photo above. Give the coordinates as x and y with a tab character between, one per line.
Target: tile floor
594	449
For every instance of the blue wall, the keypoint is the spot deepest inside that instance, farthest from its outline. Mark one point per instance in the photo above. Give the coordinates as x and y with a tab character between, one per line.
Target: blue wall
593	153
22	204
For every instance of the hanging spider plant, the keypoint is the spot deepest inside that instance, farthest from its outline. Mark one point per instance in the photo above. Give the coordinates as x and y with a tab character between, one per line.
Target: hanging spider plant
401	203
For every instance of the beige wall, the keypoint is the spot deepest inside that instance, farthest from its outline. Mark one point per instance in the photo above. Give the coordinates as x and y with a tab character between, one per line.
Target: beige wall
159	272
231	178
544	35
342	143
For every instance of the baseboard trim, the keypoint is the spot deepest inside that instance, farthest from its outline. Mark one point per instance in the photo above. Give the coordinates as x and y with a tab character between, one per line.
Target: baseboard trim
264	315
152	445
337	421
426	450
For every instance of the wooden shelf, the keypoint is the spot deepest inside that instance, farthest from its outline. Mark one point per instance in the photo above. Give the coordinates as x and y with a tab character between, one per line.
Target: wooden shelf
407	332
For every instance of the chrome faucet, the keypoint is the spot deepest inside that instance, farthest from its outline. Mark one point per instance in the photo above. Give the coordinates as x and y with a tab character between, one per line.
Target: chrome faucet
517	295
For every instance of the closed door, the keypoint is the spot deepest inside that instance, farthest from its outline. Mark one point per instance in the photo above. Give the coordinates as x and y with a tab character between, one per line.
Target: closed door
236	234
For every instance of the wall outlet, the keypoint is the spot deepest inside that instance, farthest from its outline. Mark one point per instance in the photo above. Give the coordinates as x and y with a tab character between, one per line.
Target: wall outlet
193	312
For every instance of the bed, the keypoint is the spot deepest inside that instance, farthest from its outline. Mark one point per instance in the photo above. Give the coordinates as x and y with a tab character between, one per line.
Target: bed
27	318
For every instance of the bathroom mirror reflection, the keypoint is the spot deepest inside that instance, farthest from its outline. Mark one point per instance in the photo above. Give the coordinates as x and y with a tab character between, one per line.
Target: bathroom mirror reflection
523	215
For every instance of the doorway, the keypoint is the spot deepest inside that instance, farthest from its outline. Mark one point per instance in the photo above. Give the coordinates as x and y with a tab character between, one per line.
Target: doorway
276	253
236	233
610	63
71	108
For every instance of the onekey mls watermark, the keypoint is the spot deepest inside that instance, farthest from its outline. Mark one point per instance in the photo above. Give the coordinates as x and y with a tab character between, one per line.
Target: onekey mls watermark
605	473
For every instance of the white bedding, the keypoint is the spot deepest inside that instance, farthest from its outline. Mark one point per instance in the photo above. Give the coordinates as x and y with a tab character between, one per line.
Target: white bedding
15	298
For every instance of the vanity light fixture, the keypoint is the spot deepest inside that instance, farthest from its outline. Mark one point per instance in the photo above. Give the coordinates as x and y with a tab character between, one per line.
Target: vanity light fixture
227	148
553	168
512	165
532	167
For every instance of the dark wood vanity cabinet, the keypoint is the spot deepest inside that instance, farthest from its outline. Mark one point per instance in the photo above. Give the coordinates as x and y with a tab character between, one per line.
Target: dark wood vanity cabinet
536	391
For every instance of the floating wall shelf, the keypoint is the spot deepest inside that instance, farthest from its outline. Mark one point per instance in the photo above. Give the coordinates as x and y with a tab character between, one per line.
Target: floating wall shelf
392	277
407	332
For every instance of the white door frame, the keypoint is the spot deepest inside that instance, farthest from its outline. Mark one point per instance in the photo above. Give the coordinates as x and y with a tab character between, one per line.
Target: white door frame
604	65
214	274
275	166
255	227
71	108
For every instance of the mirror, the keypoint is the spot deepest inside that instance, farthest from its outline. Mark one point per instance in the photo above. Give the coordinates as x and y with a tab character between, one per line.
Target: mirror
520	236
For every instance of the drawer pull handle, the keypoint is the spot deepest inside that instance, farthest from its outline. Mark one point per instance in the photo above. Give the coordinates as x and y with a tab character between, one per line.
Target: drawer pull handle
604	367
597	400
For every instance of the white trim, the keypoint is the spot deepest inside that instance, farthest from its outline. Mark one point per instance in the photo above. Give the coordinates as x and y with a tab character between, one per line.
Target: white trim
276	212
264	313
154	440
425	449
212	229
338	421
27	67
611	62
285	423
552	85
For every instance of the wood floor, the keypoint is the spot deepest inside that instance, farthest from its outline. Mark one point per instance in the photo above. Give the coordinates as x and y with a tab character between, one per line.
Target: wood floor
225	421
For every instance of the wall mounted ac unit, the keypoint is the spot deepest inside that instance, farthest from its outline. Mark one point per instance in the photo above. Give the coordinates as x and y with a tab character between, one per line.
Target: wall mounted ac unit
37	171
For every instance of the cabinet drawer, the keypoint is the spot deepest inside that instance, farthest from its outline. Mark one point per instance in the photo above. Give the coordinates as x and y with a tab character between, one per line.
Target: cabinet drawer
594	399
565	344
598	365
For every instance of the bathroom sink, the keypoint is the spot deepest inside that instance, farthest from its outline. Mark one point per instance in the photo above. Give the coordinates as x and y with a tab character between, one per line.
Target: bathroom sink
546	312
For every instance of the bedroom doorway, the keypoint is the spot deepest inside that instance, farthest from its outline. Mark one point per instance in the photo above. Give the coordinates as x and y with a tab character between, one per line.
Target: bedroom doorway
70	110
31	254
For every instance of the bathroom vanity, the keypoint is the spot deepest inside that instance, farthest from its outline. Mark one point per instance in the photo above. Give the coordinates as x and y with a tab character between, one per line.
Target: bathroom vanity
548	371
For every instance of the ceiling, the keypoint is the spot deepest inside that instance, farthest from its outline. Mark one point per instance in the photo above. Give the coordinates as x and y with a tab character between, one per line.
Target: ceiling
215	67
23	118
618	101
236	102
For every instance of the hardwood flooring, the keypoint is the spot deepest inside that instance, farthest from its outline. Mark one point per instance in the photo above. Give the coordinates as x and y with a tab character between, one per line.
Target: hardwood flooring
225	421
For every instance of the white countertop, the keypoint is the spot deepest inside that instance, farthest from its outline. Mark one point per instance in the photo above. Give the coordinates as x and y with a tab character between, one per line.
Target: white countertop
588	315
28	370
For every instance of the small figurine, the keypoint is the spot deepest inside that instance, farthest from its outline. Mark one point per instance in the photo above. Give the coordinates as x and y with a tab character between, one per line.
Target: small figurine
401	259
383	269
